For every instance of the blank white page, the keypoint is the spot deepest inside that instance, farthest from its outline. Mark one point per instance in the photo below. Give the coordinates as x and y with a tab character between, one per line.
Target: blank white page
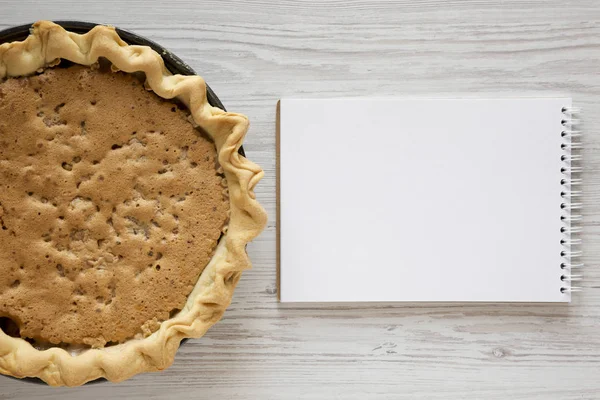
421	200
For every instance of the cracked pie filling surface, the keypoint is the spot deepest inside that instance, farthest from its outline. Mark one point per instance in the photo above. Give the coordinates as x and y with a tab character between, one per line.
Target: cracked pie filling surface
112	203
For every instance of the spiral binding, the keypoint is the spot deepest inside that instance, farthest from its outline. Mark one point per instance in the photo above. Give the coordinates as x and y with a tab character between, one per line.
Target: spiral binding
571	195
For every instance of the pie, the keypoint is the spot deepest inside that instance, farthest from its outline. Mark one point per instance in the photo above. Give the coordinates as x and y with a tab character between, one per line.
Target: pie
125	207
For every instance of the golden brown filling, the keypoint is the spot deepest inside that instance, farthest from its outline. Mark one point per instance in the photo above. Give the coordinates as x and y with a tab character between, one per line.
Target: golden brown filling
111	204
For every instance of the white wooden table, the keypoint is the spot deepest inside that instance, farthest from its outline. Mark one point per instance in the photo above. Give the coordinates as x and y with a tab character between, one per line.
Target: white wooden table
252	53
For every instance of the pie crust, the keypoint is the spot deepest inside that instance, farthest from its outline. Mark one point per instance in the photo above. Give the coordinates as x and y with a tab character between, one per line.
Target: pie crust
47	44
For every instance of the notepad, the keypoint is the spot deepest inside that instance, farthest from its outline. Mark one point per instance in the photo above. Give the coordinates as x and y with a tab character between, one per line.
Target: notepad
427	200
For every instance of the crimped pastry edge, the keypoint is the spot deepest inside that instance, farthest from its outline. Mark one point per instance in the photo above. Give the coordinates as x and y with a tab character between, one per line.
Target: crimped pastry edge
47	43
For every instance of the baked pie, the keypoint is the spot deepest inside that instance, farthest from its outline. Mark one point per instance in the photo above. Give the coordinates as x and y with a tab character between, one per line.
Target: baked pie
125	207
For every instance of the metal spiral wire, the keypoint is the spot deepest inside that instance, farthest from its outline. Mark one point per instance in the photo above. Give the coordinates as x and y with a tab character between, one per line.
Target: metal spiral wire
571	204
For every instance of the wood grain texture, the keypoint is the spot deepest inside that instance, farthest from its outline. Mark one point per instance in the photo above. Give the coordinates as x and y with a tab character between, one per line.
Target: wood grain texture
252	53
